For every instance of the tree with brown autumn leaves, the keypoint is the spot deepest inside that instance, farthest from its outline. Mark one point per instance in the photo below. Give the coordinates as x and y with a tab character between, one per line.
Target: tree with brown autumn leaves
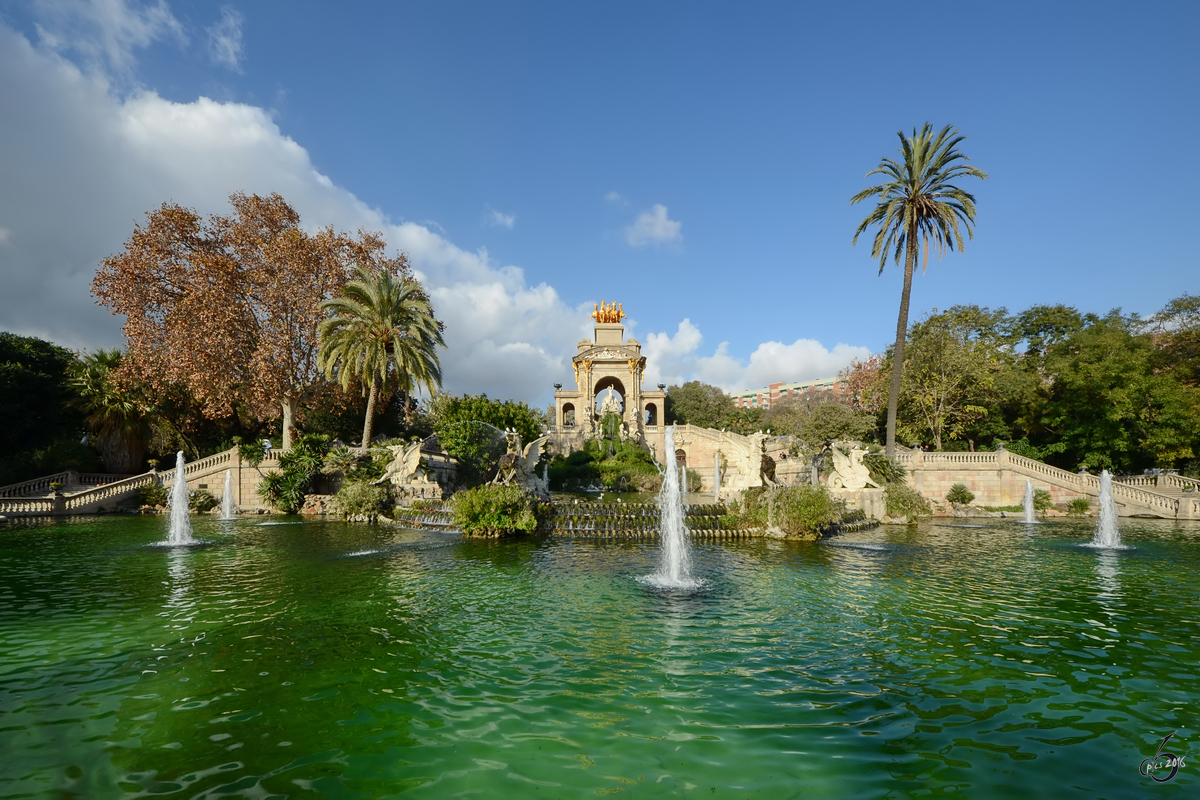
228	307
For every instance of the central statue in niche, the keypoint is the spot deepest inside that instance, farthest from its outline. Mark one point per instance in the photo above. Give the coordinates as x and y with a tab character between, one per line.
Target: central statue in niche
609	370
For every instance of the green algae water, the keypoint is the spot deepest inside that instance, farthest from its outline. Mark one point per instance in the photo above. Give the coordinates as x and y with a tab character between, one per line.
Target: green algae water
352	661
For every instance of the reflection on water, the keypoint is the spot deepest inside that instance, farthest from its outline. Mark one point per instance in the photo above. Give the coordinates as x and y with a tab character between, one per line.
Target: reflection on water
903	661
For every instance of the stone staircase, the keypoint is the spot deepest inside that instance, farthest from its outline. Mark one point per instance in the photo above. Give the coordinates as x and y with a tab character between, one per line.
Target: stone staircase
999	476
35	498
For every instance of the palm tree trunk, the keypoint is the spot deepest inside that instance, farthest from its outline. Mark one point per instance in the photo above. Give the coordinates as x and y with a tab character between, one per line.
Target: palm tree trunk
407	410
910	262
368	424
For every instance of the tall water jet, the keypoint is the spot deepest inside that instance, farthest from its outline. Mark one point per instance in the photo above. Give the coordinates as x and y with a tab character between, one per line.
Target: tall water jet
1028	503
1107	535
675	568
180	530
228	509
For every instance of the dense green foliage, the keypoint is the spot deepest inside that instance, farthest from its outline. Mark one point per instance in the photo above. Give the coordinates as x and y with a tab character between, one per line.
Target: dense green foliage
1042	500
884	470
361	499
960	495
616	466
492	511
466	427
202	501
905	502
286	489
152	494
41	429
793	510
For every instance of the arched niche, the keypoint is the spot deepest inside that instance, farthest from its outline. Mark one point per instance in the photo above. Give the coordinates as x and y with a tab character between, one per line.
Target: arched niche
681	458
601	390
568	415
651	416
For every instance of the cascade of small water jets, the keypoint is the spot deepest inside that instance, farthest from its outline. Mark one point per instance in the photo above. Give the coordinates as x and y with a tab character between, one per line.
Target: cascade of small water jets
675	568
228	509
180	528
1107	534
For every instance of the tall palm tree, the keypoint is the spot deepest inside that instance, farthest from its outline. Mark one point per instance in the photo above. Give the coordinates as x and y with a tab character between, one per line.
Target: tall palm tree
381	327
917	203
120	424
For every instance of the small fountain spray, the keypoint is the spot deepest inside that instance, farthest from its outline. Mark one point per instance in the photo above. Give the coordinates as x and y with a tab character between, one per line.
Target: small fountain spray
1107	535
180	530
1030	515
228	509
675	569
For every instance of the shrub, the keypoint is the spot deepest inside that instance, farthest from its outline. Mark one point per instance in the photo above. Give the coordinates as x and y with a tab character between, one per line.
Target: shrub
477	446
152	495
493	511
361	499
252	453
286	489
883	469
1041	499
904	501
1078	506
960	495
201	501
803	509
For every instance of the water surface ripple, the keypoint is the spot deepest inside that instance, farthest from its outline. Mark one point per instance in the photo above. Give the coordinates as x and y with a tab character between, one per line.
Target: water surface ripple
359	661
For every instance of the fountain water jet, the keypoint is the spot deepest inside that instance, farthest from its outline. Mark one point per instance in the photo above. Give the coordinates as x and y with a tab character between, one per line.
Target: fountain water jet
1107	535
228	509
675	569
180	530
1030	516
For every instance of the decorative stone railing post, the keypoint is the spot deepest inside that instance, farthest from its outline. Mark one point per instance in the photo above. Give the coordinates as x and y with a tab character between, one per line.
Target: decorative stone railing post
59	506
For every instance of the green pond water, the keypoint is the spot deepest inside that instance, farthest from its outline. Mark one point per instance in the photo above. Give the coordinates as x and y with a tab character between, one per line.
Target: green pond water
347	661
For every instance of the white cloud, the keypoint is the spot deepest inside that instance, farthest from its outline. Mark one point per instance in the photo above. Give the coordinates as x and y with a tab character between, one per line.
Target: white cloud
104	33
654	227
5	235
673	359
615	197
225	39
502	220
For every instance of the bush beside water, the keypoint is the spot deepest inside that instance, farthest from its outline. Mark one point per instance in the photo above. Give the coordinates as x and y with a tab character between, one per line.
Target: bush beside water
493	511
906	502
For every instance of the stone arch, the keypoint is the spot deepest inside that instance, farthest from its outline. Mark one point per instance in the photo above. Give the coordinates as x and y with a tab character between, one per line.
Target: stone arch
568	415
681	458
602	386
651	416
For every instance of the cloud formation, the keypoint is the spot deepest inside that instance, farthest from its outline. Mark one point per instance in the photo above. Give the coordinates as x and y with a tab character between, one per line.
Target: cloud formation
104	33
654	227
502	220
225	39
673	359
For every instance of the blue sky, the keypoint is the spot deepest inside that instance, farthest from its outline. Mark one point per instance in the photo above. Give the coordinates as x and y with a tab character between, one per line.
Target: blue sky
694	161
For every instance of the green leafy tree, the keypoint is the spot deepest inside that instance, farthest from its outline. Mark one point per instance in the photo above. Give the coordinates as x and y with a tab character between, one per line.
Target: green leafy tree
1107	406
696	403
828	422
951	362
115	414
382	327
41	429
918	202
